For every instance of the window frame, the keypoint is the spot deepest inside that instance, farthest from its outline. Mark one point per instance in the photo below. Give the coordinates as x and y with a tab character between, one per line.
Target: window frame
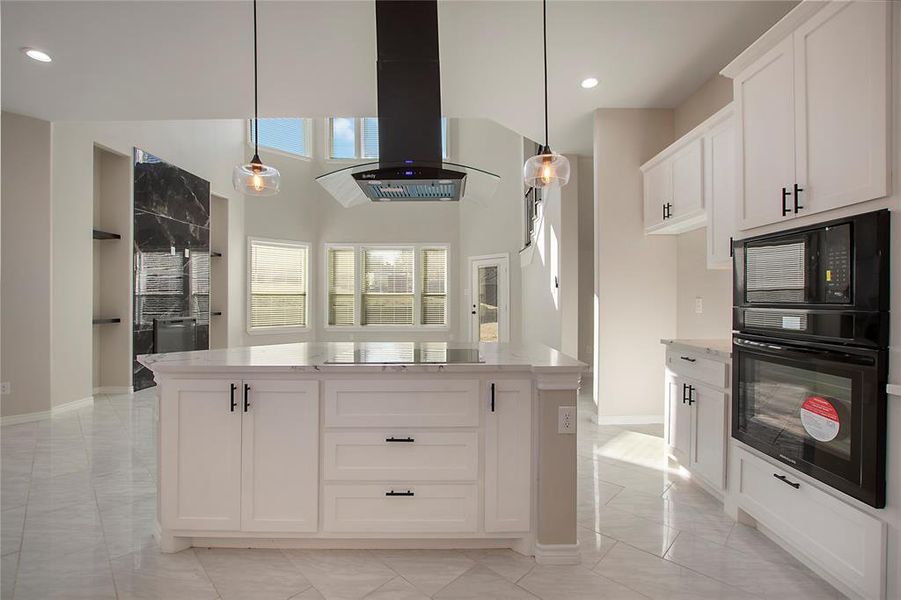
280	329
358	141
358	248
307	134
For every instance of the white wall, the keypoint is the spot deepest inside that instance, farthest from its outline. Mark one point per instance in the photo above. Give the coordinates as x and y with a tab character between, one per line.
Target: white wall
635	274
26	248
586	259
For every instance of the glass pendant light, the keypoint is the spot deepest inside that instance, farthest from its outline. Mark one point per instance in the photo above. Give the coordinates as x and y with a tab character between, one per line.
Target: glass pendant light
255	178
547	168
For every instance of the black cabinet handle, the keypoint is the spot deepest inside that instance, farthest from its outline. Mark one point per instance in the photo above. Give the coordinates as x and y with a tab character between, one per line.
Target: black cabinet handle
492	397
394	439
246	395
731	248
798	190
669	210
393	493
785	194
784	479
664	211
684	393
689	359
233	404
691	391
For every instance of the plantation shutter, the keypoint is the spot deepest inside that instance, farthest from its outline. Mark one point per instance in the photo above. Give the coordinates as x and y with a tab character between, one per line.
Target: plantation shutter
278	285
341	283
370	137
434	286
387	286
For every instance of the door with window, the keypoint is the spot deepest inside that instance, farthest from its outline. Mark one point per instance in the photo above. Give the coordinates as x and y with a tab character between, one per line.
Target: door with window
489	299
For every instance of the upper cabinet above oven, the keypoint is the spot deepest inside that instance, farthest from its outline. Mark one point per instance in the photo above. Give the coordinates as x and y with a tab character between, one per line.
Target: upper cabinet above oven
811	101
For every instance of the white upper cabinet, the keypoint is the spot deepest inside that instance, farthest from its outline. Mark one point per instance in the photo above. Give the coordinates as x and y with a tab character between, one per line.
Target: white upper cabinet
673	188
764	100
719	192
812	112
658	189
688	193
841	105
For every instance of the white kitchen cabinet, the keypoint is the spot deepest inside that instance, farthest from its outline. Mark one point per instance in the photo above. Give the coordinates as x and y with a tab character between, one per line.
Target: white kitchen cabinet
678	419
688	190
719	191
658	189
708	444
508	456
280	448
812	110
674	188
200	465
841	105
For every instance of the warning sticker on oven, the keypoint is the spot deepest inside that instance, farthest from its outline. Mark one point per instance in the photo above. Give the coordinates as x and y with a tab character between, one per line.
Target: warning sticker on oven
820	419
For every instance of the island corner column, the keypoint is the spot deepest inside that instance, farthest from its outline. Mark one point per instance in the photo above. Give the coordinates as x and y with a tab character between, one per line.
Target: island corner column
557	542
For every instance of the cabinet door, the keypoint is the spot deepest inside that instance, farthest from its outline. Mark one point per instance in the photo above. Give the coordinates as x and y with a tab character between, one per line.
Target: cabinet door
720	197
658	190
200	456
678	419
841	106
508	456
764	97
708	435
280	456
688	181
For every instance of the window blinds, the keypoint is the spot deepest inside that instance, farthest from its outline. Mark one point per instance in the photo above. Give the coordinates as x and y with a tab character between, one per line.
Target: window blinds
369	137
287	135
341	282
277	285
387	286
434	286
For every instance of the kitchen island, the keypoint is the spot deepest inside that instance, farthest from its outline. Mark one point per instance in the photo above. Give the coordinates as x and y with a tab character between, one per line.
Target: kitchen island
368	445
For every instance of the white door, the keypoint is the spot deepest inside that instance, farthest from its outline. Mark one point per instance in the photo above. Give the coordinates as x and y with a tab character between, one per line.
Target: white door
720	197
709	434
678	419
280	455
688	183
200	455
658	193
841	105
508	456
764	97
489	299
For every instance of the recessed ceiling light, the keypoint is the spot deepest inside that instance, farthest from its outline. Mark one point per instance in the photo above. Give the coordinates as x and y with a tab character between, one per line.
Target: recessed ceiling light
589	83
37	55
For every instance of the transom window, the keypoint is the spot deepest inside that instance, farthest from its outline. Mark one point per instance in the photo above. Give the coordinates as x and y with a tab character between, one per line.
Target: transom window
357	138
278	285
382	285
291	136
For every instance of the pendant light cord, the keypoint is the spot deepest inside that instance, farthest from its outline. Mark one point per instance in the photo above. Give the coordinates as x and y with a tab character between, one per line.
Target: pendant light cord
256	96
544	22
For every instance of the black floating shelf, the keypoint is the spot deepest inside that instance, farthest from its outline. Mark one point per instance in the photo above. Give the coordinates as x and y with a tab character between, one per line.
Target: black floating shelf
106	235
107	321
216	254
216	313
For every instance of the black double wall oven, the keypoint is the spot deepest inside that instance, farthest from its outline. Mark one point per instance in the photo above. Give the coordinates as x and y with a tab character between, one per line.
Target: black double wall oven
810	350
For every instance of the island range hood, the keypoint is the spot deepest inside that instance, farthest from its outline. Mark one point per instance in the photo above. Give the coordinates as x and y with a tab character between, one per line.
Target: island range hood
410	166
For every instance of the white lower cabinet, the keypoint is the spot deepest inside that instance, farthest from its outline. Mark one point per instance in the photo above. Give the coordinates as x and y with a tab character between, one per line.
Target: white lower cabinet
708	444
678	419
508	456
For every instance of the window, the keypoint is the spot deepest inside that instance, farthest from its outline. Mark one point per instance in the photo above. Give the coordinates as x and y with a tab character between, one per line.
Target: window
353	138
374	285
278	285
291	136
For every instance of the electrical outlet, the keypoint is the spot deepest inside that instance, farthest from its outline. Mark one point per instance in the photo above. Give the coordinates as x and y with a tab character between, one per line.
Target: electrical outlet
699	305
5	388
566	419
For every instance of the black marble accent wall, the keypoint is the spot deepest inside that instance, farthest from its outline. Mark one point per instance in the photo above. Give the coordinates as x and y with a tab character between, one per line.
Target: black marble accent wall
171	253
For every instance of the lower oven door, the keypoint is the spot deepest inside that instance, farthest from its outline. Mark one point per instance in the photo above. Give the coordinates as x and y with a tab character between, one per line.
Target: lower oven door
820	408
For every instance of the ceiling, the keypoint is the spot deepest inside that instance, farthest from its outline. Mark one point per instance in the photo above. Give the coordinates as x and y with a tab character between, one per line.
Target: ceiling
145	60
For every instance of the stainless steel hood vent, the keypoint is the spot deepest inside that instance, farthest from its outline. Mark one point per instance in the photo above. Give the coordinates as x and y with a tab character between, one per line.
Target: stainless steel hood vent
410	166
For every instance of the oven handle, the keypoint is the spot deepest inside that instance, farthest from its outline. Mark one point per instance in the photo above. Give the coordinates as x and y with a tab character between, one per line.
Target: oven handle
773	349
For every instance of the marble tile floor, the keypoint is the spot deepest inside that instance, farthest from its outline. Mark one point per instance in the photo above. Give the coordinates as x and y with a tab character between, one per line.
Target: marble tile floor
78	508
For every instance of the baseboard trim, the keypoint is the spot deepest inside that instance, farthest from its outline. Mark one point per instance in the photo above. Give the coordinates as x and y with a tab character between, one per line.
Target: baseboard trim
557	554
114	389
630	420
46	414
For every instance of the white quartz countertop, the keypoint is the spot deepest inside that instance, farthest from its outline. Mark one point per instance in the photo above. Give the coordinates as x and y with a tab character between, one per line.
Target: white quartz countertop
719	348
383	356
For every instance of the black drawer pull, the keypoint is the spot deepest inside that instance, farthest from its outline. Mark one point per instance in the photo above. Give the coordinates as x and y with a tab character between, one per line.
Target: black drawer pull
689	359
246	394
394	439
798	190
393	493
233	404
785	208
492	397
784	479
691	392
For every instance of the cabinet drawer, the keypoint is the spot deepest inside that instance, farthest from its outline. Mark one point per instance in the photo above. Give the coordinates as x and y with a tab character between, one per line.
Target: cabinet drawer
388	455
694	366
428	508
402	403
843	541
